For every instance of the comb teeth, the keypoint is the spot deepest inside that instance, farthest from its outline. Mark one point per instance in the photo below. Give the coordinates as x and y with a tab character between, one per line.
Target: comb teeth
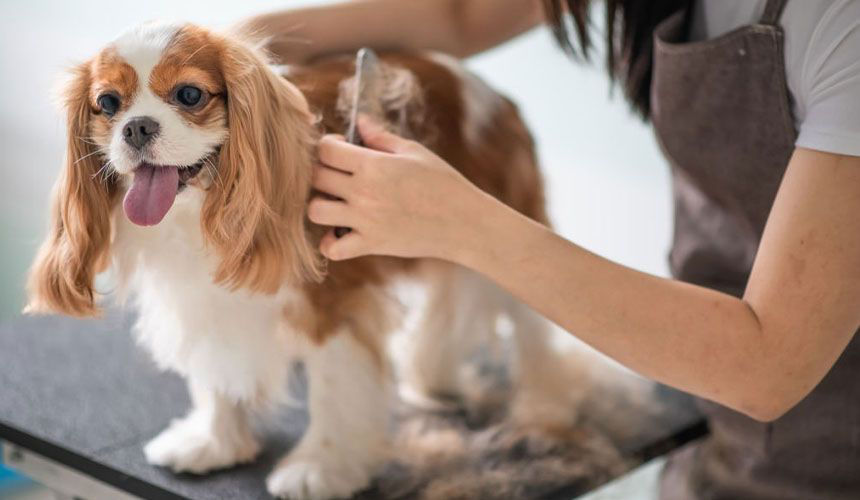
365	100
366	97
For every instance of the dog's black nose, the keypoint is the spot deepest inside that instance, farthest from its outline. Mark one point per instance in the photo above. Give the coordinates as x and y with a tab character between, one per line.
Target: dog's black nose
139	131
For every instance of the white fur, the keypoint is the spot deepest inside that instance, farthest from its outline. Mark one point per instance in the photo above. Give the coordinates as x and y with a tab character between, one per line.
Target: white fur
548	387
215	434
142	45
462	314
235	348
230	342
459	317
346	441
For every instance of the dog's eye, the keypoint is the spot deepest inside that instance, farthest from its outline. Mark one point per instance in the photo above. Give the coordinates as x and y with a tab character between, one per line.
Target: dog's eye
189	96
108	103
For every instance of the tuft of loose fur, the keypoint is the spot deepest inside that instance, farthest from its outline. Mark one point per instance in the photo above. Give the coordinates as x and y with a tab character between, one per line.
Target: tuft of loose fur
398	104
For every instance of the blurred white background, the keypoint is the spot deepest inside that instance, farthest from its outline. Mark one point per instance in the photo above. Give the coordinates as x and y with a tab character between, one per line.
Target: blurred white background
608	185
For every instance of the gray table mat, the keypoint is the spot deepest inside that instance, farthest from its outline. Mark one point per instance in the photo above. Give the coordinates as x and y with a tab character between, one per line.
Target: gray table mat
84	388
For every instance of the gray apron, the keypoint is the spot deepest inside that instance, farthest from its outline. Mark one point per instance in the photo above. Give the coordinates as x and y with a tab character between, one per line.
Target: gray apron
721	112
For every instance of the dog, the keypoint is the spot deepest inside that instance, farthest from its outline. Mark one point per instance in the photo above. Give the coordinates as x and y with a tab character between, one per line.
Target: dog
187	174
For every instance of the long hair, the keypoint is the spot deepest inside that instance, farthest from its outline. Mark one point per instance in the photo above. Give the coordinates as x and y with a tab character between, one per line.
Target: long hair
78	243
254	216
630	28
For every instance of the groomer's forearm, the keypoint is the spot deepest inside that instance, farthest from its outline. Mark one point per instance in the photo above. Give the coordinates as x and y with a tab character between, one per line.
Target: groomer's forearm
458	27
689	337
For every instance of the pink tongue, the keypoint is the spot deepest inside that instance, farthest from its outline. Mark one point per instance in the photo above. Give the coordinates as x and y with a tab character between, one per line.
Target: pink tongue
151	195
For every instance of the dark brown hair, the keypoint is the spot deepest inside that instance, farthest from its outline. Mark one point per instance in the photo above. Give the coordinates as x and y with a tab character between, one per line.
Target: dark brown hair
630	28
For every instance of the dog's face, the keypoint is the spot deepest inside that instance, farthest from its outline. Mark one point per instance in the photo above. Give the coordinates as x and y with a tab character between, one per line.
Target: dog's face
167	108
159	112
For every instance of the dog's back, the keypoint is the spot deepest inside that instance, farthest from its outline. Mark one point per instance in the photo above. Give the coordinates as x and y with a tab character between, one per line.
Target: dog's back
437	102
432	99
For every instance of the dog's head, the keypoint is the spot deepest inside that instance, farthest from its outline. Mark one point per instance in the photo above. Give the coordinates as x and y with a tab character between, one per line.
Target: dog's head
163	110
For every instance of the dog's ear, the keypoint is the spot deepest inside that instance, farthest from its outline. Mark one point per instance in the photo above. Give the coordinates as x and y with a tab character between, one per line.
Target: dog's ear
77	245
254	213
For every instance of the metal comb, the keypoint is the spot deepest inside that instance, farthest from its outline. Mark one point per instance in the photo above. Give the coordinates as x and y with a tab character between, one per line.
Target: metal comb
364	100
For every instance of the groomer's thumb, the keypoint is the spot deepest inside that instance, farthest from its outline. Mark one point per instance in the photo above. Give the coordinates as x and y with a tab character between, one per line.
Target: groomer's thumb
376	137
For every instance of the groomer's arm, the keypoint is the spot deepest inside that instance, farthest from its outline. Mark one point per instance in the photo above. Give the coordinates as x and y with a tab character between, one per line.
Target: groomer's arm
458	27
759	355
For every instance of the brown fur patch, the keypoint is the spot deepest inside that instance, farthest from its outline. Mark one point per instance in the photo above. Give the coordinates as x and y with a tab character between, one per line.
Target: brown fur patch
253	216
112	74
193	57
78	242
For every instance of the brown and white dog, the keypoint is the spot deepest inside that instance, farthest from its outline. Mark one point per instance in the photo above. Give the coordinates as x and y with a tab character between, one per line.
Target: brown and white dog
188	172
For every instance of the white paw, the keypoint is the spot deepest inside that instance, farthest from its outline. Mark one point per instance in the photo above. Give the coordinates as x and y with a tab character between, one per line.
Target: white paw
186	446
321	476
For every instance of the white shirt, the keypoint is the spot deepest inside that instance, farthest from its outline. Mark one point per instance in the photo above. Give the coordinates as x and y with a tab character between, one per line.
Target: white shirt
822	63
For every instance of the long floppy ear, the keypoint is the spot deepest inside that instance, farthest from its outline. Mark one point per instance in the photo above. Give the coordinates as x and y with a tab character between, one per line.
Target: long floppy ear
254	214
77	245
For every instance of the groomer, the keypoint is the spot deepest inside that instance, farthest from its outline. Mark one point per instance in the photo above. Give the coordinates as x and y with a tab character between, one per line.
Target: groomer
756	105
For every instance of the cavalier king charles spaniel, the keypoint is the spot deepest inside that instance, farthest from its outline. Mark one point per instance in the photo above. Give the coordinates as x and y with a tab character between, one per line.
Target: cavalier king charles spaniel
188	171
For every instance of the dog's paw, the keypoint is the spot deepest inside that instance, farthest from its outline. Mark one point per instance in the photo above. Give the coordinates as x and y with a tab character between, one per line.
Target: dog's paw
185	447
323	476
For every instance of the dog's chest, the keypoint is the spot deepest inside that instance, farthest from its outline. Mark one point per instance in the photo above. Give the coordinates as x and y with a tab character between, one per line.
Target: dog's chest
173	253
185	319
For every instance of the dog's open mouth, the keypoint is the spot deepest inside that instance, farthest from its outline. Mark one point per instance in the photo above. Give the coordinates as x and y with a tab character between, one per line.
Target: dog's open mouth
154	189
188	173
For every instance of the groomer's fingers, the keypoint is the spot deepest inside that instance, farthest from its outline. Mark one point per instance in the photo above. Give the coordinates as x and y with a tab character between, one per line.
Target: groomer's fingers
375	136
335	152
329	212
331	181
347	246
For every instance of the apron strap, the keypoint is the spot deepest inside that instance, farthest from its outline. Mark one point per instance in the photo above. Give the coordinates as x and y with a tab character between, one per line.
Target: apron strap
772	11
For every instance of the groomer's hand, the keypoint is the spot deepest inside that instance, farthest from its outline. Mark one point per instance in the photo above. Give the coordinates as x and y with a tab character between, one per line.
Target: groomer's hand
397	196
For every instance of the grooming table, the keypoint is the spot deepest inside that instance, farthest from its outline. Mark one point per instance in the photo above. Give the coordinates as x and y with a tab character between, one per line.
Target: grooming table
78	400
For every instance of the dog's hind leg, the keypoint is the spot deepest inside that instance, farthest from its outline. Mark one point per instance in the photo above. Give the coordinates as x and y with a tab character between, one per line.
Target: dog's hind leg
459	317
548	386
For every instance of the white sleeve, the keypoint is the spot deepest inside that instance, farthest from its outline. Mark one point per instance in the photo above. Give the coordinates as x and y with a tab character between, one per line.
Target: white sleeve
830	82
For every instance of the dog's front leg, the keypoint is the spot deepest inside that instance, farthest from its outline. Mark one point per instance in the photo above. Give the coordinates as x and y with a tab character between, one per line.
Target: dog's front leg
346	440
214	435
